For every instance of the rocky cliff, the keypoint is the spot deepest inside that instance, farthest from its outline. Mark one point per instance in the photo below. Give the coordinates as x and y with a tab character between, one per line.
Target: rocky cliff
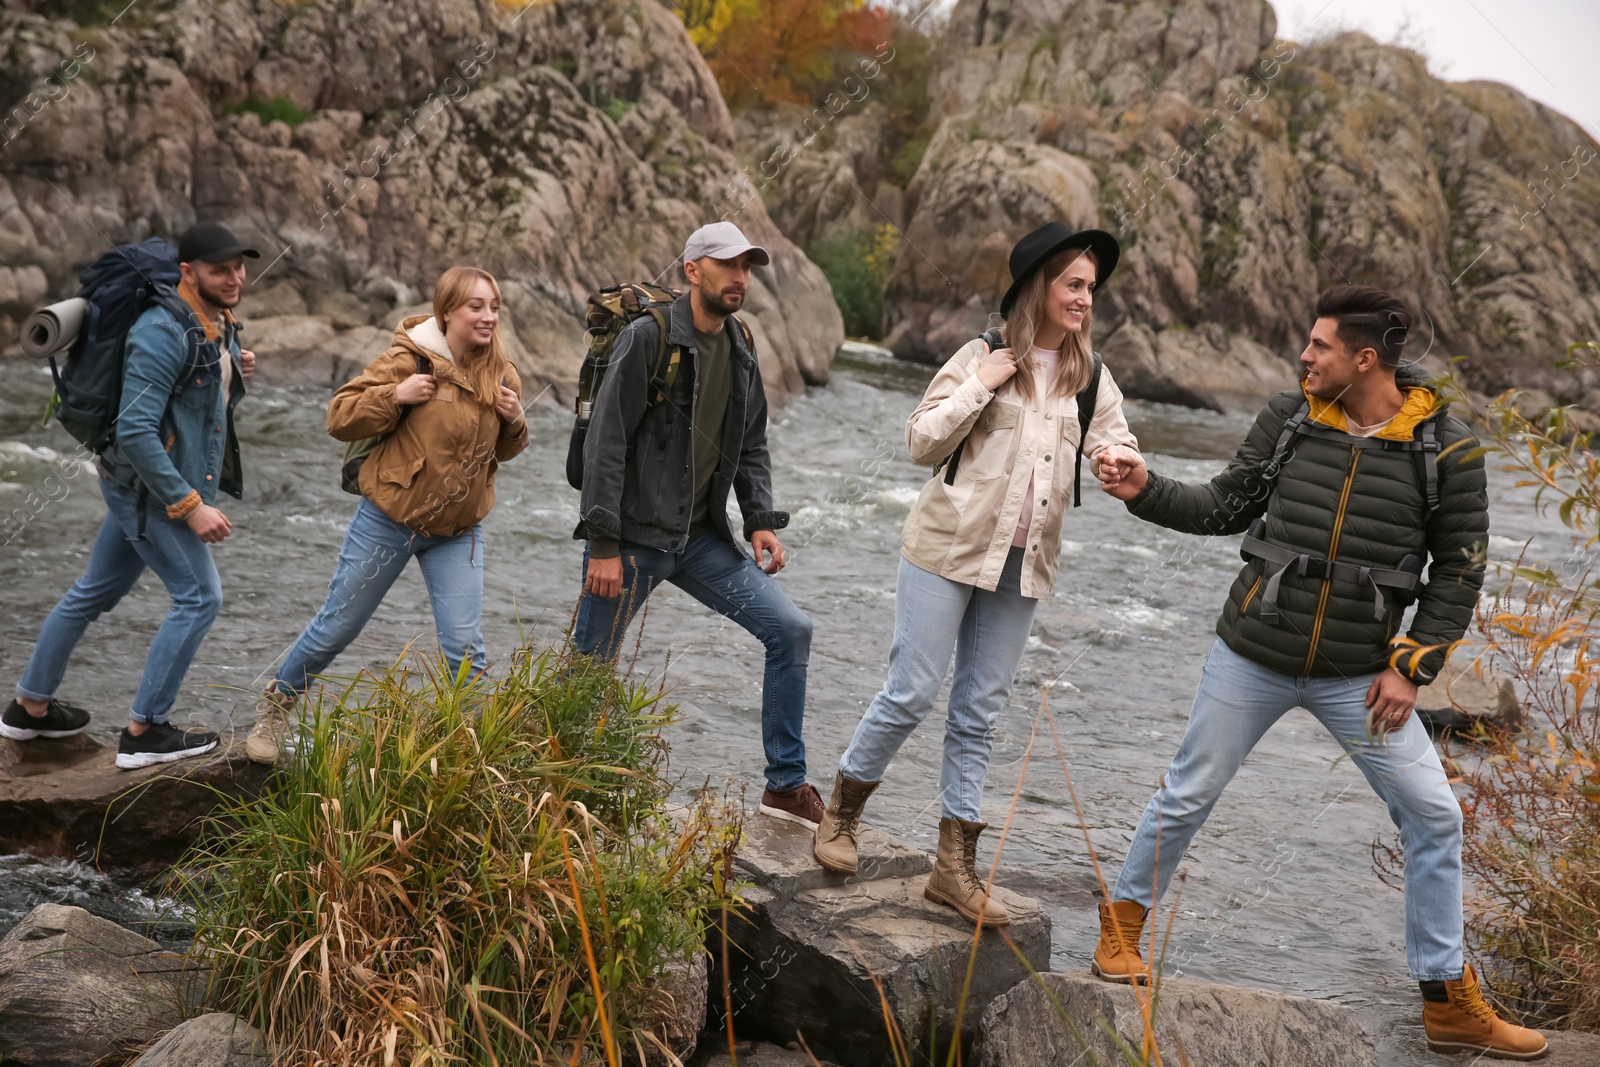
365	146
1243	174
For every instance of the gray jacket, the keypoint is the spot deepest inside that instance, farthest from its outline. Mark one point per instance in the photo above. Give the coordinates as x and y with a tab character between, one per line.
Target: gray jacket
638	457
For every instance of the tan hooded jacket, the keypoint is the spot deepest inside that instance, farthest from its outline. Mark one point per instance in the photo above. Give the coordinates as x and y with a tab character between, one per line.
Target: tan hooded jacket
434	471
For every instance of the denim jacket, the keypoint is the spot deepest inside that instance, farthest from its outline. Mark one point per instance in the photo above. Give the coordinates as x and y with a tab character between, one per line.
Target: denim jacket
174	436
638	457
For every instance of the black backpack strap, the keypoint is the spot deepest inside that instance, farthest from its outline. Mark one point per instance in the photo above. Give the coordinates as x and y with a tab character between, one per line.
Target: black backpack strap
993	338
1428	467
1293	426
1086	405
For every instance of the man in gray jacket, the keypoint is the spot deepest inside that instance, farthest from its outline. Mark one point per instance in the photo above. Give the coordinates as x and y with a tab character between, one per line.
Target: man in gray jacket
655	491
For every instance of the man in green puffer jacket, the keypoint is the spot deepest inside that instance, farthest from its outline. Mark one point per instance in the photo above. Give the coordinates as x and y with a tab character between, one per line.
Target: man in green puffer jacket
1343	494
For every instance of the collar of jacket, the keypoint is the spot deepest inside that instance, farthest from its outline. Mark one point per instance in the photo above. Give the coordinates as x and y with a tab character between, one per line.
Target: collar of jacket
191	296
680	330
1421	404
443	369
426	333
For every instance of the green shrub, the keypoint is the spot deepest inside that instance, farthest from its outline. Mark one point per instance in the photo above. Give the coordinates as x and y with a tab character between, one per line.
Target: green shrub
618	108
857	267
461	872
279	108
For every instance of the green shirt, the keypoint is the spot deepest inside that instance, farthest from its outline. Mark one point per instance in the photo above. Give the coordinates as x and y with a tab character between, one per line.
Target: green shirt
713	378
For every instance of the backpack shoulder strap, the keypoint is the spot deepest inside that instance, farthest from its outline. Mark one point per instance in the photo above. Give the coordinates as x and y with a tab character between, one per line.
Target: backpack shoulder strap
1087	401
1428	466
668	356
993	338
1293	426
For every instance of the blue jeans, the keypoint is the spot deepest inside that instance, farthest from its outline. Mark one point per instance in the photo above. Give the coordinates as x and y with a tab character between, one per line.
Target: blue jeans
987	633
375	550
1238	701
183	563
730	583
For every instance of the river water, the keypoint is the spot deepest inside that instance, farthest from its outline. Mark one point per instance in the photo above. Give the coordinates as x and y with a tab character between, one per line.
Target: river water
1280	890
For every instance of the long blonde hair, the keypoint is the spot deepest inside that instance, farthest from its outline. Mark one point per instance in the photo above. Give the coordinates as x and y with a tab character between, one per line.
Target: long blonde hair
1028	315
485	365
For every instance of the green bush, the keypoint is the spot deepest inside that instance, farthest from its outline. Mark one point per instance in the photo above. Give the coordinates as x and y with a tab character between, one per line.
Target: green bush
857	267
461	872
279	108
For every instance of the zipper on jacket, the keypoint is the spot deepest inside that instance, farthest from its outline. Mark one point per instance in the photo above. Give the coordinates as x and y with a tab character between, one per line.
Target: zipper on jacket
1251	595
1333	553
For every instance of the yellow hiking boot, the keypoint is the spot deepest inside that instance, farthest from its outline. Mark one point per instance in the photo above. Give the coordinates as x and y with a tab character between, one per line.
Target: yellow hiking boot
1464	1022
1116	957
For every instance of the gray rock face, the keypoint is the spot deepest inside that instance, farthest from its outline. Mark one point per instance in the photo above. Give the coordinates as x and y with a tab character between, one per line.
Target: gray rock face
1193	1023
67	798
1204	368
1571	1049
562	146
1243	174
813	949
74	987
1460	697
212	1040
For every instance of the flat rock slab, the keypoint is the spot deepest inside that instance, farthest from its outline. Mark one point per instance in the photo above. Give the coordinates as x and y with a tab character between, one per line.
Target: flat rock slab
1571	1048
212	1040
811	951
68	798
1194	1022
753	1054
75	987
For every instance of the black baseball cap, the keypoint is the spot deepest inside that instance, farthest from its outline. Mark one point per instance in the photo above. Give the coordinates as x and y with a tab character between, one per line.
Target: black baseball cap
211	242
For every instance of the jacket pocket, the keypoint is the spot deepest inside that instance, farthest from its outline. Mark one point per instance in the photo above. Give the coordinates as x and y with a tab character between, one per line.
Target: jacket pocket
988	447
402	472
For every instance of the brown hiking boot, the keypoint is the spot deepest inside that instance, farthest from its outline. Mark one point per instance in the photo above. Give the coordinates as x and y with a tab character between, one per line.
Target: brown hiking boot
1116	957
802	804
834	843
1464	1022
955	880
272	724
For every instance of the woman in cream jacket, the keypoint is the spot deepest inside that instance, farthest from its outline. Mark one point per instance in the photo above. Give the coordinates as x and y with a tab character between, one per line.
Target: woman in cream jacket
982	543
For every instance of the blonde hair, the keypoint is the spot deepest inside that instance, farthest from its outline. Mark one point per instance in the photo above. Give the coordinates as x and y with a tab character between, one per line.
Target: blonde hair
485	365
1028	315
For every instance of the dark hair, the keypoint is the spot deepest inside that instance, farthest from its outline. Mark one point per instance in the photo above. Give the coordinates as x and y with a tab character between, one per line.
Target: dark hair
1368	318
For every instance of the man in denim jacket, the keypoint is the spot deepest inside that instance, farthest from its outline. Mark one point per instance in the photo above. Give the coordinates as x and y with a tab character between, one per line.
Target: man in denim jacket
175	447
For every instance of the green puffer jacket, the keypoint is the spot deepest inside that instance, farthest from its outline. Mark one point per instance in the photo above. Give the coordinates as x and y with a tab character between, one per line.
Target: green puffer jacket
1362	506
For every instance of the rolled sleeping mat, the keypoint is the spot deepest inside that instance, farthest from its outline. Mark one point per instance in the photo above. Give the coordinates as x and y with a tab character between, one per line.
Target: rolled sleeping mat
50	329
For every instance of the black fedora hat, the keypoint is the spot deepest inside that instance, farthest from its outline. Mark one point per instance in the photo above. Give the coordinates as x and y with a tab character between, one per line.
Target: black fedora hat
1033	250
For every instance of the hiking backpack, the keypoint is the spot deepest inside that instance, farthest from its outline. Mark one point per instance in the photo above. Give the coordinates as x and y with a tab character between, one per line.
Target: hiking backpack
608	313
1086	405
119	286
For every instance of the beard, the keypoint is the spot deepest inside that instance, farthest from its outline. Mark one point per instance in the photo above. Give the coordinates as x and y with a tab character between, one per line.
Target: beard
724	303
214	298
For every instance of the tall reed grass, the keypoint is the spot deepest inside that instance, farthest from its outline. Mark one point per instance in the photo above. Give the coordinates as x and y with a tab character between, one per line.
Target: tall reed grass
452	871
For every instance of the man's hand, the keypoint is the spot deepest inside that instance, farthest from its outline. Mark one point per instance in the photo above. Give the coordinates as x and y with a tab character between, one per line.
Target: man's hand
209	524
417	389
763	542
509	406
604	579
1121	471
247	363
1391	697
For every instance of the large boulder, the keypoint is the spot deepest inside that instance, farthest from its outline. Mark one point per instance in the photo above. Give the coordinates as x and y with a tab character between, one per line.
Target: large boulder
563	146
1203	368
1051	1019
211	1040
74	988
1466	694
68	798
813	952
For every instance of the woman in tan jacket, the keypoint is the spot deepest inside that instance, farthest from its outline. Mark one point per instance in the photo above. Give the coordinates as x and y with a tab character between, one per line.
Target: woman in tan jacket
981	544
424	489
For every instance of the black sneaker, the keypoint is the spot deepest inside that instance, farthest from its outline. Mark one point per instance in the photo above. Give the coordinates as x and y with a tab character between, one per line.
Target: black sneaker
59	720
162	743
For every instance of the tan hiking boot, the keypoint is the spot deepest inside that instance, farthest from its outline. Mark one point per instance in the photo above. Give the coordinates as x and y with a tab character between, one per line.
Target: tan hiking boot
955	880
272	725
834	843
1466	1023
1116	957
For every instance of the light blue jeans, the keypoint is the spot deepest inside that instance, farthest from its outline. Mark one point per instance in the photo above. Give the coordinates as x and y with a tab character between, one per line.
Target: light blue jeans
1238	701
987	633
375	550
183	563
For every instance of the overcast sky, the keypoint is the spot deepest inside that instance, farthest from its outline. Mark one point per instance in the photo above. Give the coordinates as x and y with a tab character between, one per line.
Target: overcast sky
1549	49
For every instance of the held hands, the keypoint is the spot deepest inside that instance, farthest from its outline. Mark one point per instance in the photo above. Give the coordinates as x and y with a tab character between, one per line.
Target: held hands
604	578
417	389
509	406
1391	698
995	367
1121	471
209	524
765	541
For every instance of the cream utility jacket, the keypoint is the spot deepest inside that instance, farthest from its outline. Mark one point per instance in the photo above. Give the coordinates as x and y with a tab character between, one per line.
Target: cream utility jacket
963	531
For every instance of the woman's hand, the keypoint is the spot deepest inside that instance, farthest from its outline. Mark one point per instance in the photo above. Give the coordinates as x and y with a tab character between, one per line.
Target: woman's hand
509	406
995	367
417	389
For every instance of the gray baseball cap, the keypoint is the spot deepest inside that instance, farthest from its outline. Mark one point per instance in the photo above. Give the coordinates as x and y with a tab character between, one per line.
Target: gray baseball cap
722	240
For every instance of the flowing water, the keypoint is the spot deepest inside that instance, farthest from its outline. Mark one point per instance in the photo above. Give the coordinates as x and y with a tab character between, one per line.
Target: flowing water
1280	889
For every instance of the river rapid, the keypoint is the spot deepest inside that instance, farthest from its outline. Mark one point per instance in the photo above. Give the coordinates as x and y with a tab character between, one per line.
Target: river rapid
1280	891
